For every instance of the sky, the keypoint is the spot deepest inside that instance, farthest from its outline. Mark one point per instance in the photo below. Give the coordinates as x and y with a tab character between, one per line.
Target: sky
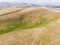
56	2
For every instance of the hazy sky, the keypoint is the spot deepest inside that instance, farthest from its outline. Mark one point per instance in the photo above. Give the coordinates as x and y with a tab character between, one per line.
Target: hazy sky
34	1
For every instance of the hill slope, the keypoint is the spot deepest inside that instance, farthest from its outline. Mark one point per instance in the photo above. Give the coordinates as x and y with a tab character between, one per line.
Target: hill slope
31	26
28	18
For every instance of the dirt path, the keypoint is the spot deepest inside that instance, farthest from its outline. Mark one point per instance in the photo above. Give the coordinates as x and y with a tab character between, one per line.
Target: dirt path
11	12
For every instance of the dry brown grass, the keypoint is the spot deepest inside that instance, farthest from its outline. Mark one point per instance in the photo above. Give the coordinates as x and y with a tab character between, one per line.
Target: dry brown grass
31	16
46	35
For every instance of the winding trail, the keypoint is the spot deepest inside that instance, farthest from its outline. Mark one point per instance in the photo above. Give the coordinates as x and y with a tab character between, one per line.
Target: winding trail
11	12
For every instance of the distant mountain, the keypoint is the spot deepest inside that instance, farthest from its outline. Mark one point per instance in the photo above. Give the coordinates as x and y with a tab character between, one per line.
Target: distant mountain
25	5
52	6
18	5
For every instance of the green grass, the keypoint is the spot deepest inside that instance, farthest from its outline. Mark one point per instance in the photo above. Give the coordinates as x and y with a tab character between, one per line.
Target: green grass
23	25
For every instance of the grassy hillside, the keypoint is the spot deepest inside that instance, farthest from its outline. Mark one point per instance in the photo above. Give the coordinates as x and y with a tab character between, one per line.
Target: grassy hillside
31	26
27	18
